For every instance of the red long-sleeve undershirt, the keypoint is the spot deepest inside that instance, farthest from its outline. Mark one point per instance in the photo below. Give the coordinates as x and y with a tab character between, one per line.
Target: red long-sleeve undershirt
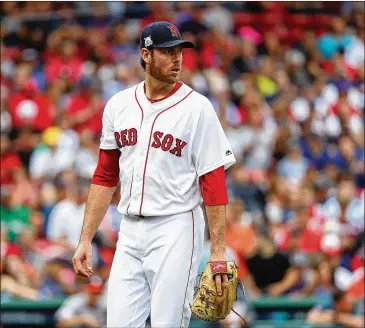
212	184
107	171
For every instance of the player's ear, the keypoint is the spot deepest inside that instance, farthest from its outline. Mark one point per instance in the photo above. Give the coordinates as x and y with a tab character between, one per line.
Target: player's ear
146	55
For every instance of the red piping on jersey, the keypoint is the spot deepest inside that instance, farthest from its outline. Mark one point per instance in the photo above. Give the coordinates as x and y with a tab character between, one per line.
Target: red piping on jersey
149	143
191	263
135	95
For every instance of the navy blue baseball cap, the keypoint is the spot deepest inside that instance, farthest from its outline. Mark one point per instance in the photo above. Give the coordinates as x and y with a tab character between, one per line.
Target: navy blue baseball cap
162	35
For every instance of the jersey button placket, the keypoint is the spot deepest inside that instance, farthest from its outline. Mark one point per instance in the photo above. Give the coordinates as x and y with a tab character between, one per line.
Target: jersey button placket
139	165
144	148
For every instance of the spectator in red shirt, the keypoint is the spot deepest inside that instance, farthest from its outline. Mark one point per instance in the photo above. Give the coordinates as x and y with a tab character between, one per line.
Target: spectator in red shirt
305	233
30	108
66	64
86	107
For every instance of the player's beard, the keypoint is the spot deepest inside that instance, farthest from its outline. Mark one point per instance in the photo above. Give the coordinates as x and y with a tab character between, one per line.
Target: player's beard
157	72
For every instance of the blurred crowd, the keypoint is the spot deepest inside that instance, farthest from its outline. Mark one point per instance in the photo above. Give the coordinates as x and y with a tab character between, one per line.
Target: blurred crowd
287	83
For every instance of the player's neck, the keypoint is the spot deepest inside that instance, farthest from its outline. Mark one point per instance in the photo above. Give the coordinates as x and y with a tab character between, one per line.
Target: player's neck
155	89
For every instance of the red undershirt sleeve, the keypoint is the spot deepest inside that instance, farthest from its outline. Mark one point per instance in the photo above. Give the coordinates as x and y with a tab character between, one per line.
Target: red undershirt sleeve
107	172
213	187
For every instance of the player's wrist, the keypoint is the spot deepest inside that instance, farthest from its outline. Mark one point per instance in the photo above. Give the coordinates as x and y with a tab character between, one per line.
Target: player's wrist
85	240
218	256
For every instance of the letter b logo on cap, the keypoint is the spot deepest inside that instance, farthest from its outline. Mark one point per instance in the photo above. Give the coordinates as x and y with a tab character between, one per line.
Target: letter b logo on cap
174	31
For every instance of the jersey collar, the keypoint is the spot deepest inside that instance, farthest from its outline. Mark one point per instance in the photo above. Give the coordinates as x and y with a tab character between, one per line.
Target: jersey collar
163	103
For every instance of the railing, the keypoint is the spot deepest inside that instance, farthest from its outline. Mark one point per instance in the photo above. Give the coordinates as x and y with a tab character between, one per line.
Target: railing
282	312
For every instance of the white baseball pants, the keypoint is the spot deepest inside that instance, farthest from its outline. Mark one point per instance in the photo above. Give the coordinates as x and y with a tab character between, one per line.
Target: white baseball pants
154	270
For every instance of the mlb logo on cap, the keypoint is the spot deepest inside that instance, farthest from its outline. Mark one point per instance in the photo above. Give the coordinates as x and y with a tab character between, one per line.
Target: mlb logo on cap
148	42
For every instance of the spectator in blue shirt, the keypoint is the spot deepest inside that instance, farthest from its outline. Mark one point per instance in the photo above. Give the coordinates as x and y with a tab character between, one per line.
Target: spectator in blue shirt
314	150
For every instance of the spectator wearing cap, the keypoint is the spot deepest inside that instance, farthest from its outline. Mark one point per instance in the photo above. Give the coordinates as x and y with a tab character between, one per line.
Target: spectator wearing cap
85	309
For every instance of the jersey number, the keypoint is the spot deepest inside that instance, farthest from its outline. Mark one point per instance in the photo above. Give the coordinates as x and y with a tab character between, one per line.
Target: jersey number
168	143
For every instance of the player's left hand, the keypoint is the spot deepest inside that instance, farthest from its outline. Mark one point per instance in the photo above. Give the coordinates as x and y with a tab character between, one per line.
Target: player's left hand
219	278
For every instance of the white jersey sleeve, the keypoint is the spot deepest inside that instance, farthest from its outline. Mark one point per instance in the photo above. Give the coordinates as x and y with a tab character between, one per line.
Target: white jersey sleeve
107	140
211	148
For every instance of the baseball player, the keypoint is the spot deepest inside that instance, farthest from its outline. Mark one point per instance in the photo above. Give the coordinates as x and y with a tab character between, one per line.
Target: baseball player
163	141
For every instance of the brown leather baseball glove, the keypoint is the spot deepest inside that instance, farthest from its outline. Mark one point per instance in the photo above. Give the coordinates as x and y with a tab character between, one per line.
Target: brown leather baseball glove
207	304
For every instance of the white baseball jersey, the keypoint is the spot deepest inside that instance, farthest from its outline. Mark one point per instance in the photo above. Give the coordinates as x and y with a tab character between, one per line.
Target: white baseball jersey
165	147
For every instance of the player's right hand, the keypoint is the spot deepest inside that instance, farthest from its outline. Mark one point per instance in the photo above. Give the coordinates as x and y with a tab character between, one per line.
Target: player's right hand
82	260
